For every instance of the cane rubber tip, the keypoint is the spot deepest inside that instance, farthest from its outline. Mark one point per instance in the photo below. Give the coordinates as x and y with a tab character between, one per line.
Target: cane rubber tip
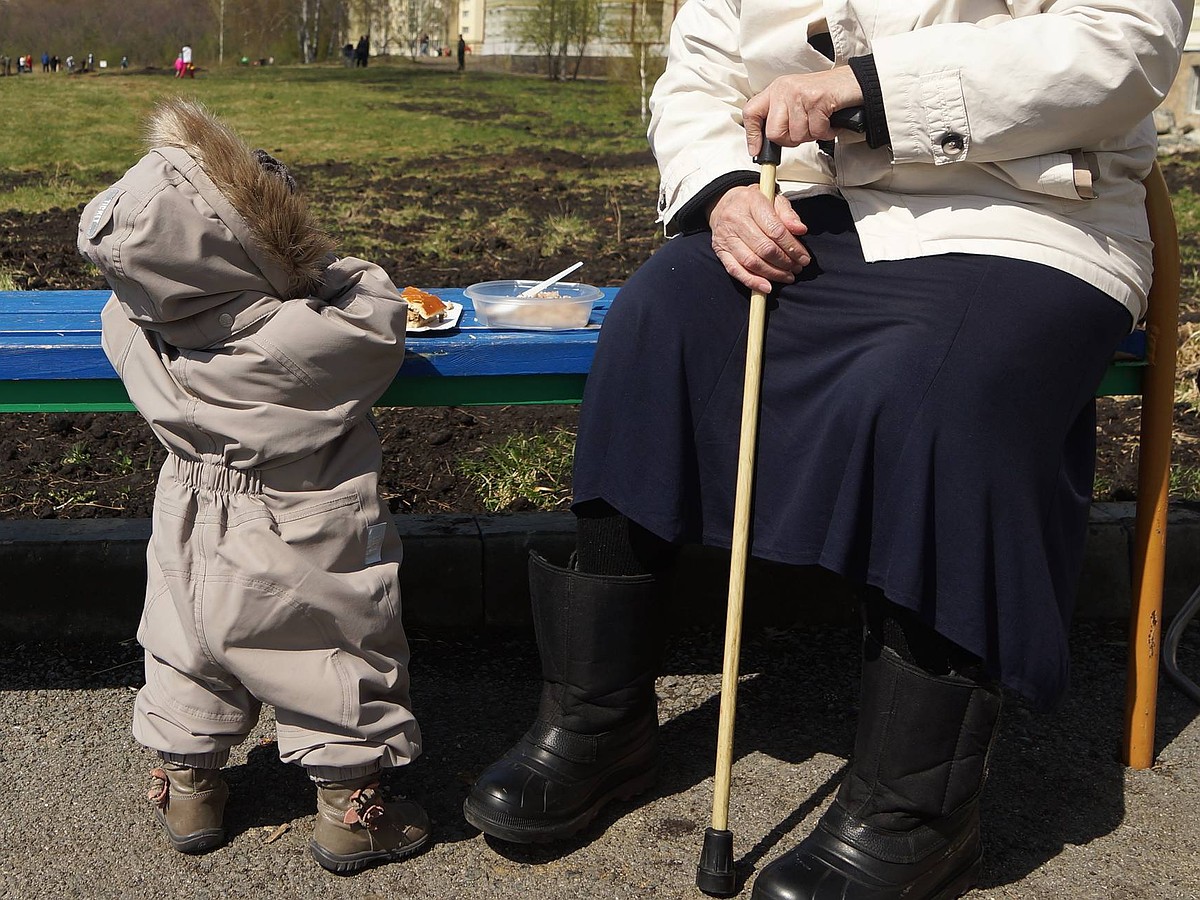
715	875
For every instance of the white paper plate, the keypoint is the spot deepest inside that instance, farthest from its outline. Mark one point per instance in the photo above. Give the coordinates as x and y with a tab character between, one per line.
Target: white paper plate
453	312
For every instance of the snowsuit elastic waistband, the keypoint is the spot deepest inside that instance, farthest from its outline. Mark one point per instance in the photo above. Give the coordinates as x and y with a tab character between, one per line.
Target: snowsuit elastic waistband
213	477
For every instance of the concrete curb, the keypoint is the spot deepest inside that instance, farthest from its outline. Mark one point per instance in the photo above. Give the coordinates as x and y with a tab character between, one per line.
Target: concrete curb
83	579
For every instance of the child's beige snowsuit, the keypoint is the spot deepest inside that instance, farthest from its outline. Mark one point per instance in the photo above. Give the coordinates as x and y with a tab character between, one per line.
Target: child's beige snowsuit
256	357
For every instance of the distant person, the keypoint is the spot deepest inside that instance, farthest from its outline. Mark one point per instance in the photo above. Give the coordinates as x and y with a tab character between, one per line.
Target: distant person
45	62
462	53
55	63
256	354
5	65
124	62
186	53
70	64
91	63
348	55
361	51
179	66
424	45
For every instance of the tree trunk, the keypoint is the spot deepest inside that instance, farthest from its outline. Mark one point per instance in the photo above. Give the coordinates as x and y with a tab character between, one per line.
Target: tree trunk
642	79
302	32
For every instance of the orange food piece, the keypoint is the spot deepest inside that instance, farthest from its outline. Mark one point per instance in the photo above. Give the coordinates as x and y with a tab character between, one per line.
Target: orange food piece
423	307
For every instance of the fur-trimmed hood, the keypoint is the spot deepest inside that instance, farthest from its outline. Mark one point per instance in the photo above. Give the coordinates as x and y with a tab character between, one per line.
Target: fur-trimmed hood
200	240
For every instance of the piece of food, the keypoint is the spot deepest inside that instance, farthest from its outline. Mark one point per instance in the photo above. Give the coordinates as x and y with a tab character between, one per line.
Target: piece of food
424	309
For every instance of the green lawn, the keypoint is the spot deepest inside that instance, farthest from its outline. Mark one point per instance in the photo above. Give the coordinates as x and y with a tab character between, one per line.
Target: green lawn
85	130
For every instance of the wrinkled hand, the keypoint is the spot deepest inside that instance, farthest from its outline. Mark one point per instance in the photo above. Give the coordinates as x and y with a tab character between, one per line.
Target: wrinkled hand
795	109
755	239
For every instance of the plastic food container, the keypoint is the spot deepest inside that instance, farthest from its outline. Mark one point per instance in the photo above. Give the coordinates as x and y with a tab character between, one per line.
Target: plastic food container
563	305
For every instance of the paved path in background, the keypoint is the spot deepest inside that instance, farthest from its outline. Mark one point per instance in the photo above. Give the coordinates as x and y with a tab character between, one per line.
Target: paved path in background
1063	819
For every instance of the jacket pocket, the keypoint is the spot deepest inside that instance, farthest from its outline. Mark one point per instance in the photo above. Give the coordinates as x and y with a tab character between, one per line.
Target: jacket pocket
330	533
1069	175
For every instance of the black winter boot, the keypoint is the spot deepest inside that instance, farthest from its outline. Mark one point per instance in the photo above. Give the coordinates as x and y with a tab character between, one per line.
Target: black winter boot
596	734
905	822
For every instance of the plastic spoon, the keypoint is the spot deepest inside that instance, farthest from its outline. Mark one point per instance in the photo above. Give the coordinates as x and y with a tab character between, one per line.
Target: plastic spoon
553	279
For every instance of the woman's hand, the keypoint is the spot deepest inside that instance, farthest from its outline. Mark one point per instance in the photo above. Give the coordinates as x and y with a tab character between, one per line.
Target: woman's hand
755	239
795	109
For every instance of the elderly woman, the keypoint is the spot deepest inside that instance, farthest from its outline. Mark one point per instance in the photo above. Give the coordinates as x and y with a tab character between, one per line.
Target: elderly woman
946	292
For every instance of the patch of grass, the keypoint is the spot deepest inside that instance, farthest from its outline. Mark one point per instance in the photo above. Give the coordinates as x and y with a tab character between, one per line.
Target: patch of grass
560	233
1187	380
534	467
6	281
76	455
63	501
1185	482
123	463
449	235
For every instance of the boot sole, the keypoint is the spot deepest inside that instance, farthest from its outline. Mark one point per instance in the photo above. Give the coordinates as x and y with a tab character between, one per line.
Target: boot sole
350	863
192	844
962	882
517	831
958	885
197	843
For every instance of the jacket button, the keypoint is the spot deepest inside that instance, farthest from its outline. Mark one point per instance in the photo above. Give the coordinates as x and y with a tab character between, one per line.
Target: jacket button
953	144
225	319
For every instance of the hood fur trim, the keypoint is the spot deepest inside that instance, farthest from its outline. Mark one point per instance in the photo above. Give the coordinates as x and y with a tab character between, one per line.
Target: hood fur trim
280	220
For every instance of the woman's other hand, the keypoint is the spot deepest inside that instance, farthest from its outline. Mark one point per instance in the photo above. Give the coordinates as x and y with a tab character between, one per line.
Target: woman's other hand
795	109
755	239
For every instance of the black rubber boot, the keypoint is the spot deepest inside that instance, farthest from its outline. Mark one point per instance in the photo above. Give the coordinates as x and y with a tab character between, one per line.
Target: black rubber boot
905	822
596	734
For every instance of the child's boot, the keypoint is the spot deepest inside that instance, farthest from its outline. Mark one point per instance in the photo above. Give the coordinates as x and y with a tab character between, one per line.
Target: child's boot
190	805
357	828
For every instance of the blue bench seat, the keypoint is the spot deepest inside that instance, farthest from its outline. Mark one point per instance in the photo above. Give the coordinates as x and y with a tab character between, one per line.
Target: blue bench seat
51	359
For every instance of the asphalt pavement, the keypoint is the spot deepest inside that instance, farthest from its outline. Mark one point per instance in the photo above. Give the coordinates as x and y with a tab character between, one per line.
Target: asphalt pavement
1062	818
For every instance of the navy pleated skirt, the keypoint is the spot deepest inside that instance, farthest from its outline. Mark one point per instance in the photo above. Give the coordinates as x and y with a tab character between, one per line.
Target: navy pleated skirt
927	426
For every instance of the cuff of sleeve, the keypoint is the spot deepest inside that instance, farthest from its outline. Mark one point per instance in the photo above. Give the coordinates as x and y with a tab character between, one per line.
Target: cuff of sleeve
876	116
690	217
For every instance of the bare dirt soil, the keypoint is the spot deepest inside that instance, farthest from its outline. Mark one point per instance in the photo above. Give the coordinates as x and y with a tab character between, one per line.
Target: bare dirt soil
104	465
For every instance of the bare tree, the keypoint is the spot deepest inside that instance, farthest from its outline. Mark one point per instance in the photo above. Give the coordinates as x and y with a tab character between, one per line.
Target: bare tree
538	26
584	20
218	8
556	29
420	17
641	26
308	24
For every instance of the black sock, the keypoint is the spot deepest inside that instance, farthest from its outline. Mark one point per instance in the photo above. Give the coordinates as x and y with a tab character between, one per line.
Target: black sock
914	641
608	543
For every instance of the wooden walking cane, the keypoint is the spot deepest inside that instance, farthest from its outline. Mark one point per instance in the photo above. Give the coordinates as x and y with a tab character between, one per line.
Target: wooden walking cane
715	874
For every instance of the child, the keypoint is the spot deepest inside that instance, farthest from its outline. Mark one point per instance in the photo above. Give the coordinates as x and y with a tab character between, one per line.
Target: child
255	355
